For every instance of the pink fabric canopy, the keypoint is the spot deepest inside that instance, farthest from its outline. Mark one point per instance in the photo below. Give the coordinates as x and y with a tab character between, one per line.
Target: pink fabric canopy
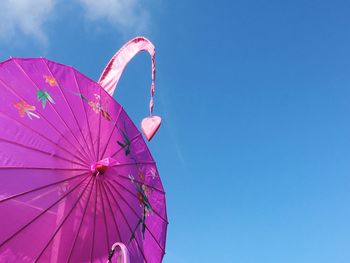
76	175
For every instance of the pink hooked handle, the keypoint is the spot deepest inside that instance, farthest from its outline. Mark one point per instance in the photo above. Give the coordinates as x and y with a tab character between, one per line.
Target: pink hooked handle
123	253
115	67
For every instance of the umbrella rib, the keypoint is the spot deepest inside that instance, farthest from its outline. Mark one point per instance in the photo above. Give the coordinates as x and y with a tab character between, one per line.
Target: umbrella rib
41	136
87	120
43	117
66	101
39	168
40	188
110	136
43	212
64	220
76	169
104	216
81	223
99	131
41	151
54	109
123	215
137	198
94	227
131	141
63	136
111	211
133	210
133	163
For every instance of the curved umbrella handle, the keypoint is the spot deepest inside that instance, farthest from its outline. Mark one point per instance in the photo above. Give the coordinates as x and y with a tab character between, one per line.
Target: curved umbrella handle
123	252
115	67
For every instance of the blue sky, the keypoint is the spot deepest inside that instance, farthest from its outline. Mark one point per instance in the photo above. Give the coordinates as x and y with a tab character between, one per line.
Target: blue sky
254	149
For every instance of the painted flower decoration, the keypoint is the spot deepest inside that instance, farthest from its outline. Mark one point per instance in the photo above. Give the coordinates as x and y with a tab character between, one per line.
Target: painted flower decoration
147	209
105	115
132	178
140	198
125	144
94	106
44	96
50	80
24	108
153	173
143	191
142	176
97	97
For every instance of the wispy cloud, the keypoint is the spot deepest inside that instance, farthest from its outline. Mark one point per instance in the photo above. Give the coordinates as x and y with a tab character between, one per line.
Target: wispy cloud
29	18
19	17
125	15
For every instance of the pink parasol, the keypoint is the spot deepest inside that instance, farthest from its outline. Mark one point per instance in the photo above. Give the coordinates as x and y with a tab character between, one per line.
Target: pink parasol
76	175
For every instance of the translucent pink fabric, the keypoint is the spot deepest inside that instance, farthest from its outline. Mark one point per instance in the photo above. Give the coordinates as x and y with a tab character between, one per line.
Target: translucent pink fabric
55	123
115	67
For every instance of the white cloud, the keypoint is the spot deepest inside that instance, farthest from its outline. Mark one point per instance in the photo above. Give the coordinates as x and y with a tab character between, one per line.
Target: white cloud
29	18
125	15
26	17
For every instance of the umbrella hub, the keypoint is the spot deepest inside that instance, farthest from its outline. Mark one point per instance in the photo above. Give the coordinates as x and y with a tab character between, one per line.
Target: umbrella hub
101	166
98	169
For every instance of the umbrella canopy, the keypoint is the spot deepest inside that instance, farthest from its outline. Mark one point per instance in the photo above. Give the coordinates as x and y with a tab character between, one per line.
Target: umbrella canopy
76	175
